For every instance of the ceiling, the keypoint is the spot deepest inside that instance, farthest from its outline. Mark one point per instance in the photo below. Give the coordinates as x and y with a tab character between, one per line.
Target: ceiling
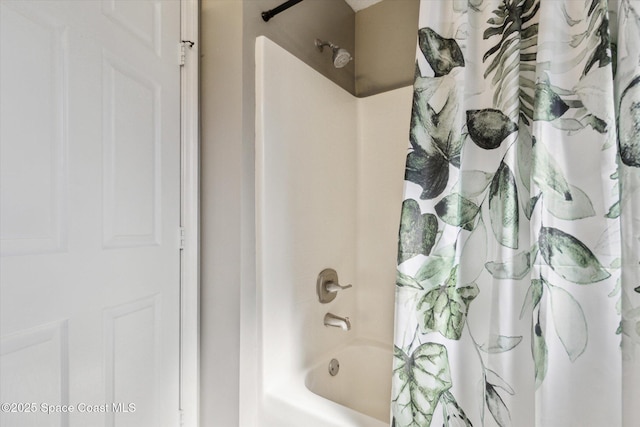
357	5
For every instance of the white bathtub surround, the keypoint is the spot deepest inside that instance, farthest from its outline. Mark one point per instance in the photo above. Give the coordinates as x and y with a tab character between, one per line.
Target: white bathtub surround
383	125
329	171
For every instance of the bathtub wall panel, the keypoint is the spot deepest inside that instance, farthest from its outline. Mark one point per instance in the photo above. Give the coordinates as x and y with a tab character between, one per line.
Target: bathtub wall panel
306	209
383	138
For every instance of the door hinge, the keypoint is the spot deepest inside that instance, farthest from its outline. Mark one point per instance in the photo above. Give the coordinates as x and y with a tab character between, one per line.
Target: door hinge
181	237
184	44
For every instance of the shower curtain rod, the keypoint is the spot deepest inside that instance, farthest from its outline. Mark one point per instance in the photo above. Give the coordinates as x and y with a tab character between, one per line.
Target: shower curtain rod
276	10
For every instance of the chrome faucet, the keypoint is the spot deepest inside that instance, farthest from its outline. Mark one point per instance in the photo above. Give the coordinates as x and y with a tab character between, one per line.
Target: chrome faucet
336	321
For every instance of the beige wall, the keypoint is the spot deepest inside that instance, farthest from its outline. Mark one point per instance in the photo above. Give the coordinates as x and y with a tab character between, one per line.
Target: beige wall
386	46
296	30
221	204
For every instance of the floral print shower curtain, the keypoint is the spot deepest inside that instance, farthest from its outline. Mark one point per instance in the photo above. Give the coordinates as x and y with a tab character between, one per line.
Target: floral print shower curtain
518	284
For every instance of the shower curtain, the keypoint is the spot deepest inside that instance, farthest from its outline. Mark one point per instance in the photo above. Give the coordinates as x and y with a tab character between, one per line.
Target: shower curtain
518	284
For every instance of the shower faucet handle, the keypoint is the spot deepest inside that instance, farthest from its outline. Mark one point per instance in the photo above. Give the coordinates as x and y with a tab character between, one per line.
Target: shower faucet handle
335	287
327	286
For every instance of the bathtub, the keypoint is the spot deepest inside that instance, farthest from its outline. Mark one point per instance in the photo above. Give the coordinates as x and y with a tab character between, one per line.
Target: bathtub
355	397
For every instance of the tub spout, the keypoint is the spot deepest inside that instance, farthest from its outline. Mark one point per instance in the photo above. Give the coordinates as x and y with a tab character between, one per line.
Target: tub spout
336	321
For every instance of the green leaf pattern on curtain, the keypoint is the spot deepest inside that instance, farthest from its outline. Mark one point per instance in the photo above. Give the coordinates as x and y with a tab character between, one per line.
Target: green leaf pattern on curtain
519	108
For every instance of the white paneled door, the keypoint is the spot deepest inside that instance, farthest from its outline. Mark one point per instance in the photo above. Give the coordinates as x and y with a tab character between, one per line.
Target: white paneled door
90	213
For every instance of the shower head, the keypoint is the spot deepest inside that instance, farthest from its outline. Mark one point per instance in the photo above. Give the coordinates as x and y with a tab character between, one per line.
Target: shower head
341	57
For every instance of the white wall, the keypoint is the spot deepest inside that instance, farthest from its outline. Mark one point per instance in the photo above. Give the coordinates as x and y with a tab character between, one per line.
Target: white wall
329	191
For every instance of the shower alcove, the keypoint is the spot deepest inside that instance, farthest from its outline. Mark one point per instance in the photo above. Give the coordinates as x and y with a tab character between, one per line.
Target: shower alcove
329	176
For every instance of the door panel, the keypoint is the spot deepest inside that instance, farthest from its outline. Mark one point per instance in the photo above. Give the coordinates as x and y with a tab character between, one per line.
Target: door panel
90	202
34	85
